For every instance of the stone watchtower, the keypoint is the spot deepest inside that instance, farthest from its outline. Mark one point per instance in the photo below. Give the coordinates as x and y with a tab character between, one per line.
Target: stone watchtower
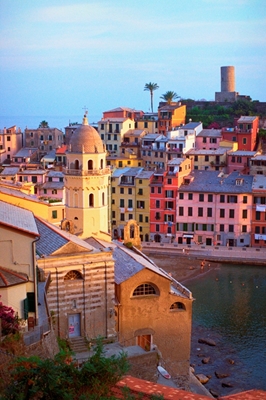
87	184
227	92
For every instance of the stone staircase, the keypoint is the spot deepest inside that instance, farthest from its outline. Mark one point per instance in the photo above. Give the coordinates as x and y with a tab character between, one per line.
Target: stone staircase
78	344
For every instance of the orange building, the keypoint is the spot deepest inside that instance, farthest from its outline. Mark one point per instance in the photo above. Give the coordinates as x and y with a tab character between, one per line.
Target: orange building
170	116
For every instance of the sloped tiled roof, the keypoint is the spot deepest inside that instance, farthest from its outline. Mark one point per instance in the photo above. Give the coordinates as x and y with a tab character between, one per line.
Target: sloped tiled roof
53	239
18	218
11	278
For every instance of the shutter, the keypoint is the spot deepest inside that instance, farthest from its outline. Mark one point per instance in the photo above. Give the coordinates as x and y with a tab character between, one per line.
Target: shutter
26	308
31	301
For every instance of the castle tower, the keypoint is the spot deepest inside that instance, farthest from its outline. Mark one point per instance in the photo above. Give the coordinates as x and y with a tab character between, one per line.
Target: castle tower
227	79
227	93
87	183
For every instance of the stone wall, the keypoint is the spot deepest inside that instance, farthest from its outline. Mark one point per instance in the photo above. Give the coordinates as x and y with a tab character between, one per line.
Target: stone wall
144	366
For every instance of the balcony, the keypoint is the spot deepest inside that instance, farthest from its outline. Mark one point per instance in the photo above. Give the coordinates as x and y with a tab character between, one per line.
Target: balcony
93	172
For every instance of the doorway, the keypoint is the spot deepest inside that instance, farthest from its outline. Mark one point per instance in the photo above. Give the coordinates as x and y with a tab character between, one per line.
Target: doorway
73	325
144	341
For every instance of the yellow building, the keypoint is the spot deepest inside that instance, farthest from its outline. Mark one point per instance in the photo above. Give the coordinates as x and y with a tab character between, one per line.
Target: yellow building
18	281
87	182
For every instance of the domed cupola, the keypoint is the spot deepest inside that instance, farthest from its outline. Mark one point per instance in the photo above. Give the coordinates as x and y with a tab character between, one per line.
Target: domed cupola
86	139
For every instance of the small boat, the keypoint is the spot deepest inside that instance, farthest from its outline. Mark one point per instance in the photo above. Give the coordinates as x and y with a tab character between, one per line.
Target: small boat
163	372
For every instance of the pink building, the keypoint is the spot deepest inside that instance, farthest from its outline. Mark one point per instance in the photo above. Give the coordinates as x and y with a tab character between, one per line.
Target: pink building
213	208
239	161
208	139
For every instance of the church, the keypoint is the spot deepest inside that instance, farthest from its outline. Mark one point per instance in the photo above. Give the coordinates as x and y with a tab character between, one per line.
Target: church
98	287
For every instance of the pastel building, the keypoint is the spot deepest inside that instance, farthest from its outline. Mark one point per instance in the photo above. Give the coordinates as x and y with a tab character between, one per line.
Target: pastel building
258	218
244	133
258	164
214	208
11	141
44	139
163	192
239	160
208	139
170	116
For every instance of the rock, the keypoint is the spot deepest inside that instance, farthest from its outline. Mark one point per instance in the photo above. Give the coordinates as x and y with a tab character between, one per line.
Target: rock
227	384
205	360
221	375
231	361
202	378
213	393
209	342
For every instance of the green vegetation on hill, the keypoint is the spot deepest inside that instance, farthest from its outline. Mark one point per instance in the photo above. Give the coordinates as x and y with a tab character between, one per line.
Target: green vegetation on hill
216	116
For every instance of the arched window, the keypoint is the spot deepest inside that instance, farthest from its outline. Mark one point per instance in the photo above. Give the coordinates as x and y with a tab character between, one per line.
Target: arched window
101	163
91	200
72	275
178	306
76	164
103	198
146	289
90	164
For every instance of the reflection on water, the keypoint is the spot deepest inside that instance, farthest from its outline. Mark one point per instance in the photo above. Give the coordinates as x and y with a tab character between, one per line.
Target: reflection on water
231	304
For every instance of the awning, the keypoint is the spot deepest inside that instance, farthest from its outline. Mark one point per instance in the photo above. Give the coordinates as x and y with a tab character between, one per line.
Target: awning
260	207
188	236
260	237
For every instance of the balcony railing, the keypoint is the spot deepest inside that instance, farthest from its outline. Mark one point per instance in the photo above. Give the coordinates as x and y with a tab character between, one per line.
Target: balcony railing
79	172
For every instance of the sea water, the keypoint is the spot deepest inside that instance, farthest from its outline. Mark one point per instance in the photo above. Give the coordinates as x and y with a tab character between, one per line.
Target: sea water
230	307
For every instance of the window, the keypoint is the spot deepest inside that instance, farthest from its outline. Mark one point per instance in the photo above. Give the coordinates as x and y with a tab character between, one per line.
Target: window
257	229
169	181
222	228
157	204
115	137
140	204
257	216
140	192
159	190
204	140
181	196
50	137
122	217
91	200
169	193
140	218
157	228
121	190
231	228
245	199
190	196
54	191
54	214
222	198
113	214
130	203
140	181
244	228
222	213
231	199
113	190
152	189
190	211
200	212
178	306
206	158
120	164
130	216
157	216
196	158
145	289
181	211
146	219
8	138
231	213
72	275
209	212
244	140
244	213
201	197
210	198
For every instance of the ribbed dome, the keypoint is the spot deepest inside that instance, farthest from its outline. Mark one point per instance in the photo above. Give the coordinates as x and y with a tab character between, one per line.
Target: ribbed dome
86	139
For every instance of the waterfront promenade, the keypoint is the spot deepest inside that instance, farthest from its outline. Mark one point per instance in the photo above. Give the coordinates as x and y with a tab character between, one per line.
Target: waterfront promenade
243	255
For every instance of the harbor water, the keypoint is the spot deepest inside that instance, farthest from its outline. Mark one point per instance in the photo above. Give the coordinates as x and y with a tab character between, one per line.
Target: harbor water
230	308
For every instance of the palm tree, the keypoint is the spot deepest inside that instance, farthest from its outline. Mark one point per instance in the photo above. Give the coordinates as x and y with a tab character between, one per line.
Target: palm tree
151	87
169	96
43	124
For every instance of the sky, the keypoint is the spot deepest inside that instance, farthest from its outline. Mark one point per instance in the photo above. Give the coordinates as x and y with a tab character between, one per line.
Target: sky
57	57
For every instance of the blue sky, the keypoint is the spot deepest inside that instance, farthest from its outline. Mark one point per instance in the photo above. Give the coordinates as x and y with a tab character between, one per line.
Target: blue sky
57	56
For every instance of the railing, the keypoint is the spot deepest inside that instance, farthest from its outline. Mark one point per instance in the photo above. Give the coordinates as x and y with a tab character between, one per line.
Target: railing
79	172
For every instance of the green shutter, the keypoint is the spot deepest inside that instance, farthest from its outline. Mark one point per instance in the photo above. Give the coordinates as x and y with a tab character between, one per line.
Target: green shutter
26	308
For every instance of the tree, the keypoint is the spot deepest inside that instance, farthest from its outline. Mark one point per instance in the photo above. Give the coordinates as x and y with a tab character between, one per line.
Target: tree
169	96
8	318
44	124
151	87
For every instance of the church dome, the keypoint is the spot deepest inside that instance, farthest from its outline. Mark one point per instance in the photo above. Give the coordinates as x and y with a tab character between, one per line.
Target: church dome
86	139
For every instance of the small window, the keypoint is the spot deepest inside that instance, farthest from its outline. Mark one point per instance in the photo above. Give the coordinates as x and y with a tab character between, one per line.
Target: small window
54	214
178	306
146	289
72	275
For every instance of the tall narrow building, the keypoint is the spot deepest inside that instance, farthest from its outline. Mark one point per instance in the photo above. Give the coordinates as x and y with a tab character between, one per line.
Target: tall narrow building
87	183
